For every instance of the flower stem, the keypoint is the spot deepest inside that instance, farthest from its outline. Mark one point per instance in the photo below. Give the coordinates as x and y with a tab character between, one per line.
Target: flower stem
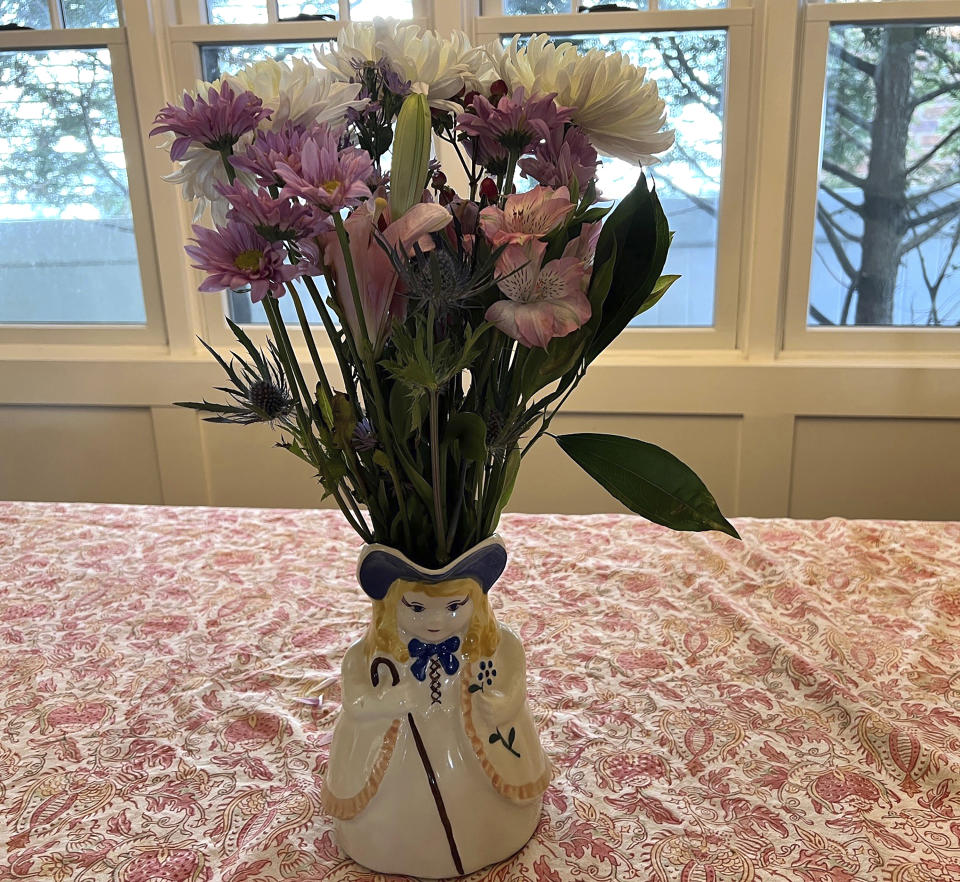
352	278
435	469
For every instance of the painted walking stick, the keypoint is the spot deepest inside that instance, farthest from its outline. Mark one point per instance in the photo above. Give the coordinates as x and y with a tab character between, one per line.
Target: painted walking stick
424	758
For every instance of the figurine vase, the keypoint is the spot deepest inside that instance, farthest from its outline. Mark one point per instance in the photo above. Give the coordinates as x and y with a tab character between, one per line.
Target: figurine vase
436	768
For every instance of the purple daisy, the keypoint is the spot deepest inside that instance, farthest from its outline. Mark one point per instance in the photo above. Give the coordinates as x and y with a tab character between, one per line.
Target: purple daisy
275	219
516	123
560	157
329	177
217	122
270	148
236	255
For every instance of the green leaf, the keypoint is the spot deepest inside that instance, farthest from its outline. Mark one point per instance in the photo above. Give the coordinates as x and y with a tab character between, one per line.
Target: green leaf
511	469
495	737
661	288
326	408
471	431
638	234
344	420
475	687
648	480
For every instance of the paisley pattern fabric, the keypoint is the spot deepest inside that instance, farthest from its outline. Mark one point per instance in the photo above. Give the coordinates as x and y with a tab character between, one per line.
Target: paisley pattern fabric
787	708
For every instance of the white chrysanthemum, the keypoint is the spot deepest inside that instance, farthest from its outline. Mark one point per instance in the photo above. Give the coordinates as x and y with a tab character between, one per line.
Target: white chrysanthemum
613	102
298	91
197	173
435	67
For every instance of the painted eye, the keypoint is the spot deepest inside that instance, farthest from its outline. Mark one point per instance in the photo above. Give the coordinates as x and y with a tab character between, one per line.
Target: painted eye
453	607
416	607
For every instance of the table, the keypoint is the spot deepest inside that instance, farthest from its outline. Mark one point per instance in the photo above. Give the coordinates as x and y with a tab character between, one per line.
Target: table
787	708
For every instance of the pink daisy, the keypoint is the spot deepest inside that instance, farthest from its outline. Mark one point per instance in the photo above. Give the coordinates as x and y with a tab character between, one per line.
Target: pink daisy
516	123
564	155
216	123
236	255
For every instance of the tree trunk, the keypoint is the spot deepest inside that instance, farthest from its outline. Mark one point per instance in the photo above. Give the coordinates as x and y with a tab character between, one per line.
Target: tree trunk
884	193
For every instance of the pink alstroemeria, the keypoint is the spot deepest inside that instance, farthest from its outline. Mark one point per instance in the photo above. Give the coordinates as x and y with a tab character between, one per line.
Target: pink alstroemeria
515	124
217	122
236	255
544	300
526	216
562	157
329	177
377	279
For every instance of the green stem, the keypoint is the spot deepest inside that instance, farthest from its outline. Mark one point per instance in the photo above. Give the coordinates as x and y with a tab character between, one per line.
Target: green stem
352	279
332	334
308	337
439	525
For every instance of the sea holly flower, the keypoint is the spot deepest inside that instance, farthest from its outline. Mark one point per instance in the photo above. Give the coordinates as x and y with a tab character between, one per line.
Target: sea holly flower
526	216
370	229
544	300
564	156
515	124
329	177
236	255
217	122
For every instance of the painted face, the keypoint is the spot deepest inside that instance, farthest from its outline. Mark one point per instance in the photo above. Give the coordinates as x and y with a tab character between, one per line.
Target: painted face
435	619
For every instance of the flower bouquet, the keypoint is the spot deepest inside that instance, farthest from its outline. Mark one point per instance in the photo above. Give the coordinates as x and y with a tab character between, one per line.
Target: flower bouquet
462	305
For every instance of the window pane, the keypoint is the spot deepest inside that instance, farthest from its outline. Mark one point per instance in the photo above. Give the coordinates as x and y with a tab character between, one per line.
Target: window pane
584	5
292	8
215	61
692	4
535	7
365	10
90	14
26	13
689	68
887	242
67	249
237	11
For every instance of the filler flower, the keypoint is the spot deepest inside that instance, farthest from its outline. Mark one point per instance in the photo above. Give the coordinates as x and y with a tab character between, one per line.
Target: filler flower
526	216
236	255
618	109
217	123
329	177
545	300
565	155
516	124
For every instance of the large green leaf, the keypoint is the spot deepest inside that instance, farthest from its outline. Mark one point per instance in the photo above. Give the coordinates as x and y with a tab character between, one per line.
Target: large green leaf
648	480
638	235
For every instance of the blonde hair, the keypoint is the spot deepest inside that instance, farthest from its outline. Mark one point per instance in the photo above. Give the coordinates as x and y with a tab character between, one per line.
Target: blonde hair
480	641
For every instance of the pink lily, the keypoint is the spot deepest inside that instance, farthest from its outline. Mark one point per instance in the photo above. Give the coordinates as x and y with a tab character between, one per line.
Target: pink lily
377	279
526	216
543	300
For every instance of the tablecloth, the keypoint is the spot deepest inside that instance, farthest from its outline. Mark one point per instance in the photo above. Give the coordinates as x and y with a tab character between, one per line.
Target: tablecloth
785	708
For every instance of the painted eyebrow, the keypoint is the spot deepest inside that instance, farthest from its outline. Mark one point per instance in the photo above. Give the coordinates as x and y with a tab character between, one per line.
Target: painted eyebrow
459	603
405	602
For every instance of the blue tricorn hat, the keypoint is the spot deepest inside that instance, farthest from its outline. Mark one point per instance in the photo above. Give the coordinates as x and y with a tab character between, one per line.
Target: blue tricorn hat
380	566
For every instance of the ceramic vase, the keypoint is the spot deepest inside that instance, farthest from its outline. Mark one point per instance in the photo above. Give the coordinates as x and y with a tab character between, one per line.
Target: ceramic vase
436	767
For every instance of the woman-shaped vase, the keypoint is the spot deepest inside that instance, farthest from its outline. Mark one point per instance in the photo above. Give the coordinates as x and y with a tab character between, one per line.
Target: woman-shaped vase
436	767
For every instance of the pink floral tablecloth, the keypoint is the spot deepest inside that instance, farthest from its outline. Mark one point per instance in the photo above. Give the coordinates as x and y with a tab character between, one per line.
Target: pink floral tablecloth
787	708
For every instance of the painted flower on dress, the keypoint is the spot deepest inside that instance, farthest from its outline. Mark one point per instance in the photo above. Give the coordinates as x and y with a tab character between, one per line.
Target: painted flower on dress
544	300
236	255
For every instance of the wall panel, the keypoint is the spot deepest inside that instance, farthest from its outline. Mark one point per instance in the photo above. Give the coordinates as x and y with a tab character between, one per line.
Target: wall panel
78	454
876	468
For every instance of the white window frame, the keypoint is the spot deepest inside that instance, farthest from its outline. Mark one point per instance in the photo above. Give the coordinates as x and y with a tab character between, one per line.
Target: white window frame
125	81
800	340
738	21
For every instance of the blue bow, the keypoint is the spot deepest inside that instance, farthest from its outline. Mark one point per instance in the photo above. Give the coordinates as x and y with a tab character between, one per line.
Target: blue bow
423	652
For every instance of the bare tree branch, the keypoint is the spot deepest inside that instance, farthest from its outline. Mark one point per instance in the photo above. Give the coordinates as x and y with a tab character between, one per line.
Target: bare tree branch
951	208
838	228
691	76
843	111
818	316
933	150
699	201
854	61
935	93
834	240
917	198
920	238
842	173
846	203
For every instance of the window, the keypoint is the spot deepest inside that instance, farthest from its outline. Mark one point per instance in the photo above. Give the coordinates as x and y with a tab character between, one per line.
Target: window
72	179
876	226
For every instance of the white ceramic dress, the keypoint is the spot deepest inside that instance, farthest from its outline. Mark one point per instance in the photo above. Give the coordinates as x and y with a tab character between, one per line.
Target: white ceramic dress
467	795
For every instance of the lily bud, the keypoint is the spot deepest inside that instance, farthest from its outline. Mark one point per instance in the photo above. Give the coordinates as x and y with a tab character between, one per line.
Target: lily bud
411	153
